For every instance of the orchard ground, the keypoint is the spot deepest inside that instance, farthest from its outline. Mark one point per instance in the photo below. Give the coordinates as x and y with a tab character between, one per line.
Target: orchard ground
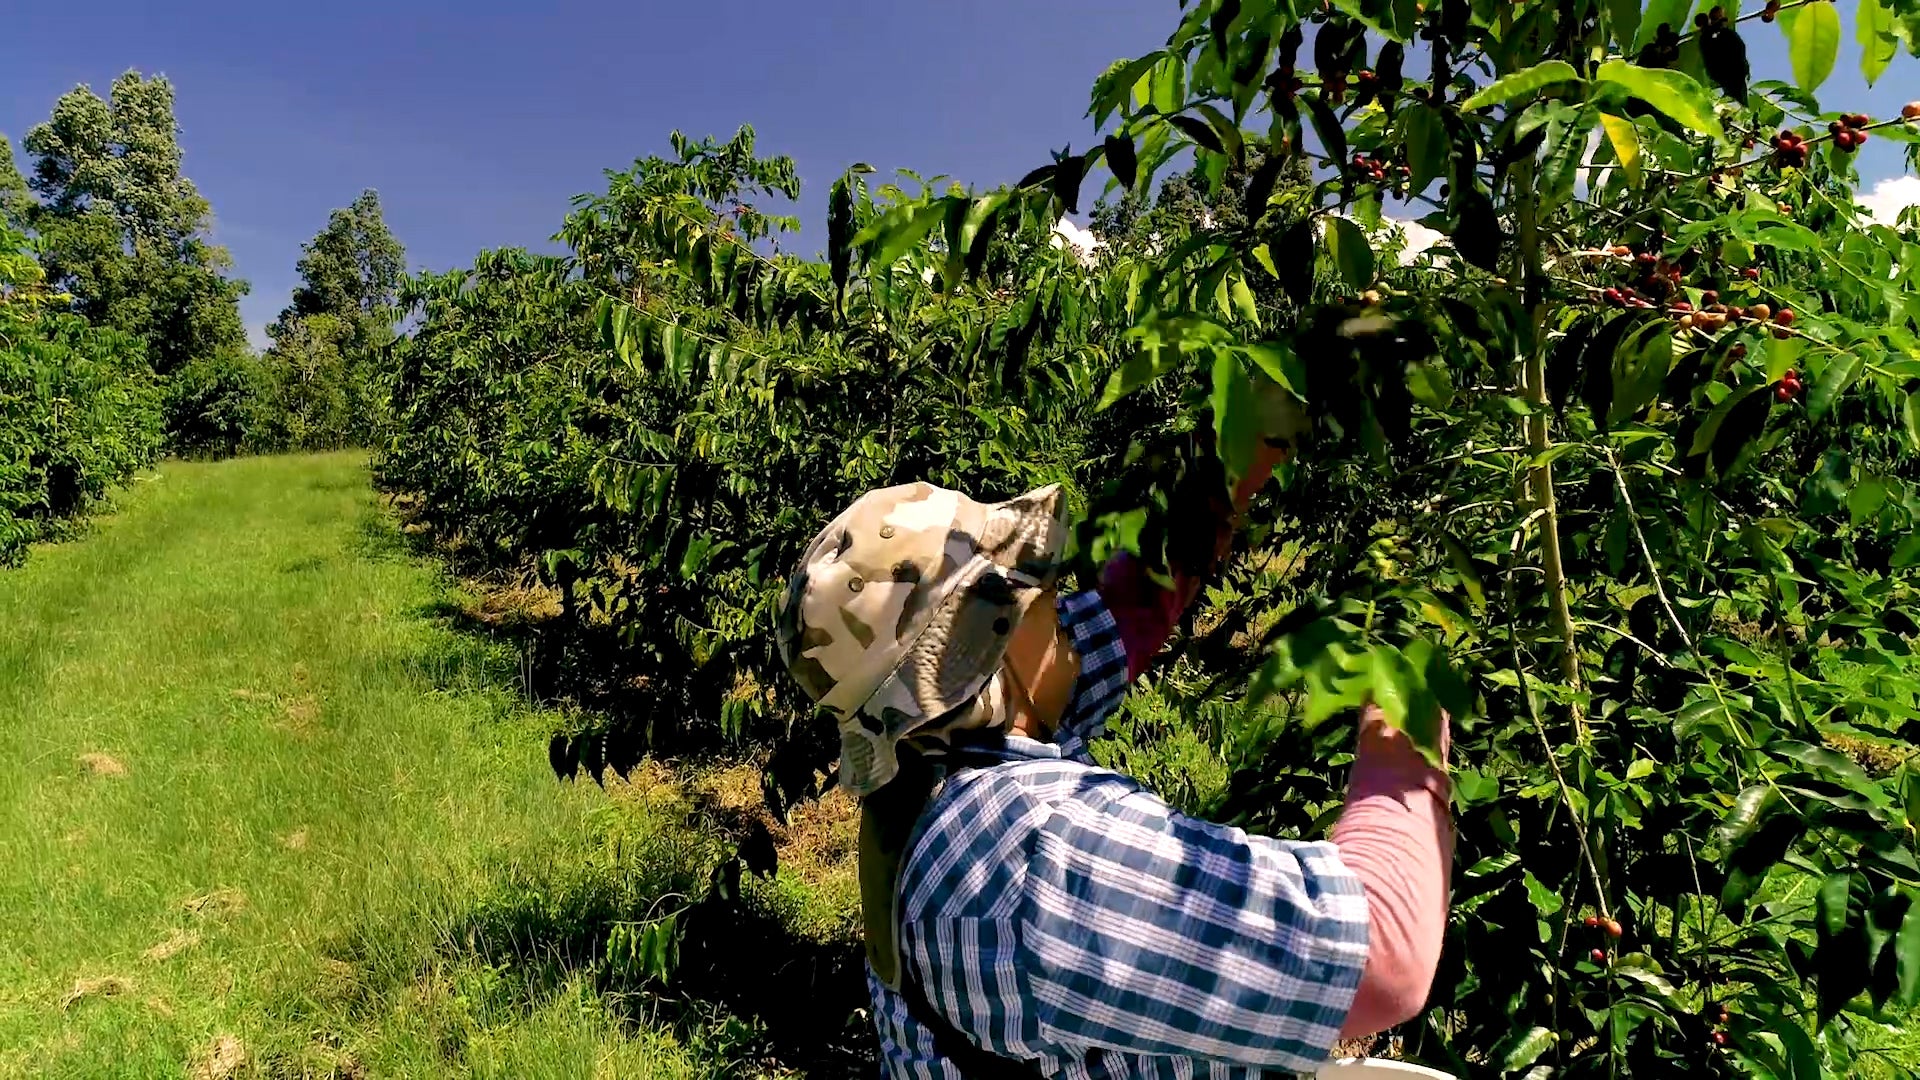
266	812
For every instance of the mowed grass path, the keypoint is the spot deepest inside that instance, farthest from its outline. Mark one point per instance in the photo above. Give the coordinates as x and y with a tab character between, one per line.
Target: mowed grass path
250	789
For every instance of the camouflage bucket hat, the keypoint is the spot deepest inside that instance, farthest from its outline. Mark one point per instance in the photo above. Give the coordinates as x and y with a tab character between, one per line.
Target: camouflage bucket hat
901	610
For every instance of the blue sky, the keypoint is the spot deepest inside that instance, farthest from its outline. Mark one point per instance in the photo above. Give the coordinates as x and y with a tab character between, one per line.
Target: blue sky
477	121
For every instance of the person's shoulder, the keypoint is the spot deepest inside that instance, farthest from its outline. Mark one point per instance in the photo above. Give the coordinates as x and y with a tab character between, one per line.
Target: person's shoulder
1033	783
978	832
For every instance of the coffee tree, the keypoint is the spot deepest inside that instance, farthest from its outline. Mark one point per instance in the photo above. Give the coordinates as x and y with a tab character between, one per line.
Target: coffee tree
79	408
660	421
1620	475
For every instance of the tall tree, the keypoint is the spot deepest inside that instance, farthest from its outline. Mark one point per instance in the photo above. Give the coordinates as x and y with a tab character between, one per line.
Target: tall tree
327	344
354	265
122	228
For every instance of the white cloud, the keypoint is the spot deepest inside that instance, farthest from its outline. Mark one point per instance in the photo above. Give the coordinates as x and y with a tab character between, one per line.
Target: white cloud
1083	240
1418	238
1414	237
1889	197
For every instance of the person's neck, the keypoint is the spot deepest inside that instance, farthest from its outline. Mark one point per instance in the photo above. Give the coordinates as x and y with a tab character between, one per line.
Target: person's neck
1028	722
1042	668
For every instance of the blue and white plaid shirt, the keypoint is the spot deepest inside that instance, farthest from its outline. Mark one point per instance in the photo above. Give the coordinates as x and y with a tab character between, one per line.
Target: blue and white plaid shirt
1060	914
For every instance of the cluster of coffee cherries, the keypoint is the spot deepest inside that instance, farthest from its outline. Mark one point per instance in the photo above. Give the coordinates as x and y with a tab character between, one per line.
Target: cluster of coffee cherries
1789	150
1372	168
1717	1015
1712	314
1285	82
1613	929
1771	11
1660	279
1716	17
1664	49
1850	131
1788	387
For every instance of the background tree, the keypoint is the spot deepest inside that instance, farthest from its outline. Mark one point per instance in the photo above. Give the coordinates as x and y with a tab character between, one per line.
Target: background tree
15	198
79	411
327	345
353	266
123	230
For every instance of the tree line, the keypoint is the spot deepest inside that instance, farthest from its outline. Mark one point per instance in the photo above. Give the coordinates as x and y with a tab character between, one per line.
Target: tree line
123	333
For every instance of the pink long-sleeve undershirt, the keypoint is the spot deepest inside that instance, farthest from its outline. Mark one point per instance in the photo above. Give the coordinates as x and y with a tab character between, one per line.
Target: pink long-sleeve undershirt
1394	833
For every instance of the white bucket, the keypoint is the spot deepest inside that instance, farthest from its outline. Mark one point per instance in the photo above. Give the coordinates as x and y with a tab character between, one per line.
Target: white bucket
1376	1069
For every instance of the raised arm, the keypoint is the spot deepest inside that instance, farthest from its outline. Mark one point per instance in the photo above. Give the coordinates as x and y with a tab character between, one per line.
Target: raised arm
1395	832
1147	611
1396	835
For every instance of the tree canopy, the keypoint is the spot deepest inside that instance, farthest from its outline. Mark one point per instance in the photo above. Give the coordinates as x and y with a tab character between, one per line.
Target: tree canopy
123	230
352	267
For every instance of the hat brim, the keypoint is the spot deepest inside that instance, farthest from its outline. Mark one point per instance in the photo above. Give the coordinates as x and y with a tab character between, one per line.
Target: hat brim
962	646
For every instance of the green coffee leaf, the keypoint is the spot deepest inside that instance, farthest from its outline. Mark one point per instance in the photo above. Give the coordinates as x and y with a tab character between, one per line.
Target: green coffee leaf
1625	18
1640	368
1724	54
1876	29
1199	131
1865	498
1243	303
1293	252
1145	365
1352	255
1224	130
1625	139
1521	84
1837	766
1492	864
1672	92
1750	808
1236	416
1121	161
1813	42
1832	902
1524	1048
840	234
1906	948
1113	86
1662	13
1332	133
1427	144
1260	188
1545	901
1839	374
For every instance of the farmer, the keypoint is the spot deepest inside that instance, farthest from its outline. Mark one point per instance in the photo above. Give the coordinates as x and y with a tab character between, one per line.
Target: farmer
1031	914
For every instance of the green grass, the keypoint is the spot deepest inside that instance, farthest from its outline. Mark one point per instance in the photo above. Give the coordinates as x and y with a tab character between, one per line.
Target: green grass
341	826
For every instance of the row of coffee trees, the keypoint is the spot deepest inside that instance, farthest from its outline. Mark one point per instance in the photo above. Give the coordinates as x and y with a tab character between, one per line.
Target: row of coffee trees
79	408
1620	474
